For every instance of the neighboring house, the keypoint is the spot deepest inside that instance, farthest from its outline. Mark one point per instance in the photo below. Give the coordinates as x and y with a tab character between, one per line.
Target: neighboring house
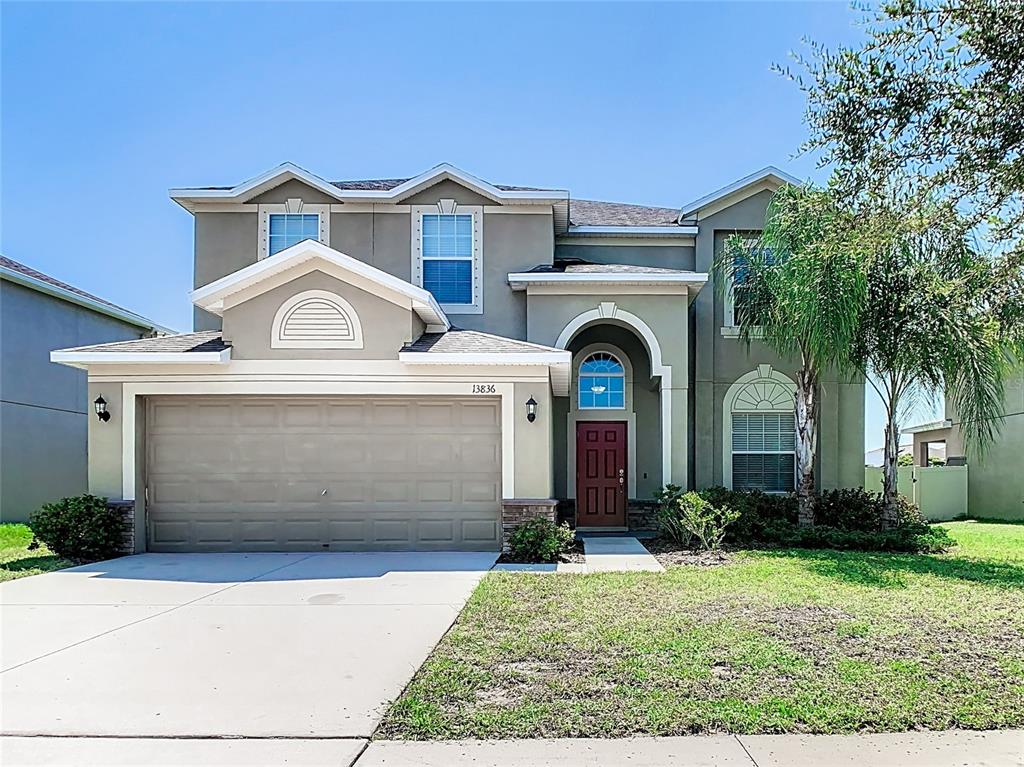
43	429
874	458
424	362
995	483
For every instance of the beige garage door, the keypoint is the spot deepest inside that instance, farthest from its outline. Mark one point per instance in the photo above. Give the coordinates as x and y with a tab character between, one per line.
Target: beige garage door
314	474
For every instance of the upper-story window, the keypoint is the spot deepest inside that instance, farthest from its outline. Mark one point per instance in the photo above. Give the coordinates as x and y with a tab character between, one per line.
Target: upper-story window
446	255
287	229
738	298
602	383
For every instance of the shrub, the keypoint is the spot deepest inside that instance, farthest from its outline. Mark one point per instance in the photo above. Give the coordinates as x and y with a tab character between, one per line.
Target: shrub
760	513
908	540
706	522
669	515
540	540
81	528
852	508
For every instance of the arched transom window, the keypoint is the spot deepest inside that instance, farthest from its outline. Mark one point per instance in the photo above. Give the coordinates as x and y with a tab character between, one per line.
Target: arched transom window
763	433
602	383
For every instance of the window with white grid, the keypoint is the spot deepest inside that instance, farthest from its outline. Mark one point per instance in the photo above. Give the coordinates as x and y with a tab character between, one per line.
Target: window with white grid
763	456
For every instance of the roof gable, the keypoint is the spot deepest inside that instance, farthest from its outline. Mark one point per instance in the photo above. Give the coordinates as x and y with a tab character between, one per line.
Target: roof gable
308	256
769	178
362	191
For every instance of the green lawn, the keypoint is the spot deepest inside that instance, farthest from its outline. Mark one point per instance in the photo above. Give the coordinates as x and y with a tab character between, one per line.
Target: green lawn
17	561
783	641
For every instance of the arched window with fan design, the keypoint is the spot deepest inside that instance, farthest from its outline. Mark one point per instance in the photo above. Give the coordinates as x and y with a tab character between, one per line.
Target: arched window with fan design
602	383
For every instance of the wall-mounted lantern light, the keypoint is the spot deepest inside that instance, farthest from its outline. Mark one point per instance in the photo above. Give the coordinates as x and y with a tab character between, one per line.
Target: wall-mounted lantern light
101	409
531	410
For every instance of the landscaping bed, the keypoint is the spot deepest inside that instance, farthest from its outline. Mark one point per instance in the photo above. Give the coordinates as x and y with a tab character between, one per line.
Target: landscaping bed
670	553
787	640
573	556
17	560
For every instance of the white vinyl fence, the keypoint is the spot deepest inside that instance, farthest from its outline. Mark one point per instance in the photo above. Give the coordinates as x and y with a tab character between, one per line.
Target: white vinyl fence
939	491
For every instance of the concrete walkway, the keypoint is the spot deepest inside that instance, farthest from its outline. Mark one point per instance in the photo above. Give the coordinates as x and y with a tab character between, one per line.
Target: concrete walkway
912	749
955	748
617	554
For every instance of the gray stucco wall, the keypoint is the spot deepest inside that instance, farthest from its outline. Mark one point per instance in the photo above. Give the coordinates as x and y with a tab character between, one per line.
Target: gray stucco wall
720	360
386	327
45	406
662	256
227	242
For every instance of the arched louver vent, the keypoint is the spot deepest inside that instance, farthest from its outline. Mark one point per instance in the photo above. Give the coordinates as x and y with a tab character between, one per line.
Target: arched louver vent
317	319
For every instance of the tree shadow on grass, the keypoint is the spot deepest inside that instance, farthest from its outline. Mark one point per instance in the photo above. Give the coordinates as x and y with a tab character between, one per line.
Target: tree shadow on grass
44	562
887	570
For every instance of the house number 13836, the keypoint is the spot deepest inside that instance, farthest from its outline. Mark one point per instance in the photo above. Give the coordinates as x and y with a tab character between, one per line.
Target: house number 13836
483	388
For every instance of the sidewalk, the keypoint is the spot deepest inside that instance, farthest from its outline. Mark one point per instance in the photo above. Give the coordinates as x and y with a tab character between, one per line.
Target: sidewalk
955	748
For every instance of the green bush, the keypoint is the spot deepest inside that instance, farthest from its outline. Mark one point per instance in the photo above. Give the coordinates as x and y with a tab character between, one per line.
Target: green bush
908	540
760	513
848	519
669	515
705	522
81	528
540	540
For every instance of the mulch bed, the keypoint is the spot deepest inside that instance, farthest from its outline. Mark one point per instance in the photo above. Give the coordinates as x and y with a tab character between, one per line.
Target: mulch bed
573	556
669	553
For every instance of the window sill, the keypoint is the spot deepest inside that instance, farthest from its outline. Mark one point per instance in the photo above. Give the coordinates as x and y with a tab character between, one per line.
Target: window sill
461	308
733	331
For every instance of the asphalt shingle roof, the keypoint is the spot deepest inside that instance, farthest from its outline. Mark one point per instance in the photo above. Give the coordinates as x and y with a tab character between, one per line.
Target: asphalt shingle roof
598	213
585	267
459	341
28	271
204	341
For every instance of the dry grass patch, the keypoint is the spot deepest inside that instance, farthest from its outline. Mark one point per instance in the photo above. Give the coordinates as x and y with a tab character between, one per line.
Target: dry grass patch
784	641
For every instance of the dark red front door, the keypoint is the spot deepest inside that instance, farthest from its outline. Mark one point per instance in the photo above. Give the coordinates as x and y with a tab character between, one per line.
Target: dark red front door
601	474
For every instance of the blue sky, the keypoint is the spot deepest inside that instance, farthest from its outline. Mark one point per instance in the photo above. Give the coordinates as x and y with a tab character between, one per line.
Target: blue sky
106	106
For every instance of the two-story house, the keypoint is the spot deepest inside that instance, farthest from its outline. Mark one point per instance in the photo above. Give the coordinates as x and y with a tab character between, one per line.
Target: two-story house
419	363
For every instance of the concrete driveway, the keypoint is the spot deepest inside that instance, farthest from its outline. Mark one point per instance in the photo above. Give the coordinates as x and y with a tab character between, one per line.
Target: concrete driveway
223	645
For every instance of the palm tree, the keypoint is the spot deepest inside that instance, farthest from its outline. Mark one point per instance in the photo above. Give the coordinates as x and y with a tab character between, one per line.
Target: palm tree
799	287
937	317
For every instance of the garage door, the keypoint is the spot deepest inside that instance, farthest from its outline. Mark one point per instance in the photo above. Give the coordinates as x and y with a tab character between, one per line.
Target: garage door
311	474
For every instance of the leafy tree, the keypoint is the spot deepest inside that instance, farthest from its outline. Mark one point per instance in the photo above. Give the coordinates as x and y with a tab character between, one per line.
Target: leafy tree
799	288
929	323
931	103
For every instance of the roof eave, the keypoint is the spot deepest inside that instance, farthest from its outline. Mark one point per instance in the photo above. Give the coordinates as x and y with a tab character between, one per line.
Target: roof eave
767	173
522	280
83	359
56	291
673	230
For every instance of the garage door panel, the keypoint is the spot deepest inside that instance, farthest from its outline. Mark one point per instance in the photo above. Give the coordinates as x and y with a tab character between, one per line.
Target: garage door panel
248	473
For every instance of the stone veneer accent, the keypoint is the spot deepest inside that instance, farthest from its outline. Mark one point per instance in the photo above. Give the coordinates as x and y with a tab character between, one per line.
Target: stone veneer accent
641	514
515	511
127	509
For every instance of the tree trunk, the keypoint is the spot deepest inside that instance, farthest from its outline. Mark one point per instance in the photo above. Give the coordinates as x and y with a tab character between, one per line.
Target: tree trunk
806	442
890	461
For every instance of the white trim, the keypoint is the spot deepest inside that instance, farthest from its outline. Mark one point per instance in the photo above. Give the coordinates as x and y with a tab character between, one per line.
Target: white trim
451	208
760	373
930	426
323	213
607	310
632	231
211	297
131	390
484	358
41	286
770	174
84	358
686	241
277	341
187	197
690	280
